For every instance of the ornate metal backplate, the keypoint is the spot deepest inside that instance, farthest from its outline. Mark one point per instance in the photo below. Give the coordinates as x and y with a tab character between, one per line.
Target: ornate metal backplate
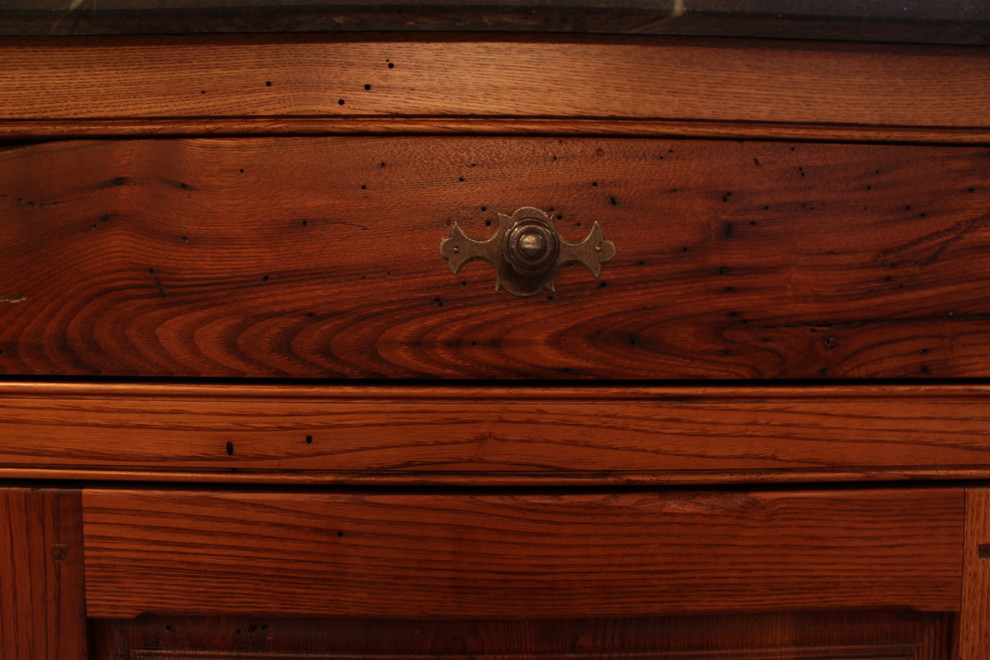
526	251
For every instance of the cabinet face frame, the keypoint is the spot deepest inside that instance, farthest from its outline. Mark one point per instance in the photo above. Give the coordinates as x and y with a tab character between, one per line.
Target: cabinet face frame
857	635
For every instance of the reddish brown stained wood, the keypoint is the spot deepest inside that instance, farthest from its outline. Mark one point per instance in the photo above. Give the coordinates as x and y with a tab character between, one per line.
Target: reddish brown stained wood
546	555
974	619
494	75
496	435
320	259
42	612
869	635
309	126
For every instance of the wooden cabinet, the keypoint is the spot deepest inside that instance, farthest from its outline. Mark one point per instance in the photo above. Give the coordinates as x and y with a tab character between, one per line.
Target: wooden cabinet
248	411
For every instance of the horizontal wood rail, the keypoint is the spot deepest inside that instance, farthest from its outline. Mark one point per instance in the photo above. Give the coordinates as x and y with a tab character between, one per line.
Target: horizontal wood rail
472	435
318	84
541	555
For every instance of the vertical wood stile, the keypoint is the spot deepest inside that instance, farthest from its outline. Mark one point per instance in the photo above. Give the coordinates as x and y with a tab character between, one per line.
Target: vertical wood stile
974	619
42	602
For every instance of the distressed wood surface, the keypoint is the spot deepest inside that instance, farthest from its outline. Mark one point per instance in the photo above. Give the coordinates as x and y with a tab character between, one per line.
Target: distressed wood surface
546	555
492	435
42	602
891	635
232	76
310	258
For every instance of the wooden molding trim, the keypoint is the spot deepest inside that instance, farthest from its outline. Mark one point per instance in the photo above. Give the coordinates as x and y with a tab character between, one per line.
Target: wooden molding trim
236	84
583	127
409	435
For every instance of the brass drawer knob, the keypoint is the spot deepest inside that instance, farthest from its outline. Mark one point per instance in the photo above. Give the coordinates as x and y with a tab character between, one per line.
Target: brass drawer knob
526	251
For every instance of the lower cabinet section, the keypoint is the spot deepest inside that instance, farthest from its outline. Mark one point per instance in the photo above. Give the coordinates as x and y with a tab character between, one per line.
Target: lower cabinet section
728	574
871	635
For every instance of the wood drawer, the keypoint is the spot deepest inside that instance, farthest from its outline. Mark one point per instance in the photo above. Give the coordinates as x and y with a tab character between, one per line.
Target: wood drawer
318	258
519	555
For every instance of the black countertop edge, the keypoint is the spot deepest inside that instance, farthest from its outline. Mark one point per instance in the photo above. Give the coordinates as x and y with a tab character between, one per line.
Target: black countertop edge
908	21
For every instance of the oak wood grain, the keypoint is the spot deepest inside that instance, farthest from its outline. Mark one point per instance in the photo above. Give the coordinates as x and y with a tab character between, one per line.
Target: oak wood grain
492	435
859	635
494	75
42	612
313	258
546	555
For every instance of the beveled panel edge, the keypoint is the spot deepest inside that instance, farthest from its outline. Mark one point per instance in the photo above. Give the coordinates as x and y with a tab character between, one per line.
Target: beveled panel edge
851	635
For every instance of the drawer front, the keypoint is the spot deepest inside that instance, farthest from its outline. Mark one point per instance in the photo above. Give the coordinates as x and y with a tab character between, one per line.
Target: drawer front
309	258
520	555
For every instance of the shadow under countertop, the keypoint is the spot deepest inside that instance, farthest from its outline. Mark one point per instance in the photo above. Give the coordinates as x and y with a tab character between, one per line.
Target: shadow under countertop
914	21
